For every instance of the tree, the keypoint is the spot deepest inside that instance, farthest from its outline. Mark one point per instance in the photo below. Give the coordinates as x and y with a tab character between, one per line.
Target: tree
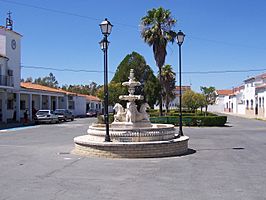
189	100
150	86
115	90
49	81
201	101
210	96
168	84
192	100
157	32
90	89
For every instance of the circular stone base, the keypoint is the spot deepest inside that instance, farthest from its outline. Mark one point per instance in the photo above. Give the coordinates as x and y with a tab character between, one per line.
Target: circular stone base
152	149
126	132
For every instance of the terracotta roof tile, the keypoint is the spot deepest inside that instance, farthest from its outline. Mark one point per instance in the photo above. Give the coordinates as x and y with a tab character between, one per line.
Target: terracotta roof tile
33	86
183	87
261	86
90	97
224	92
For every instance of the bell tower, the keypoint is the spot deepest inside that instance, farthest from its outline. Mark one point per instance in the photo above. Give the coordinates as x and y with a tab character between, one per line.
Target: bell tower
11	49
9	21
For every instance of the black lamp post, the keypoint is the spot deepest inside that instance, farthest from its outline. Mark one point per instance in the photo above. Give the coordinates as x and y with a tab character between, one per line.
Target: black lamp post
180	40
106	28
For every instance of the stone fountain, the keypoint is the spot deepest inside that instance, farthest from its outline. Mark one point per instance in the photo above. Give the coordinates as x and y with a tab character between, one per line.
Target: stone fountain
132	134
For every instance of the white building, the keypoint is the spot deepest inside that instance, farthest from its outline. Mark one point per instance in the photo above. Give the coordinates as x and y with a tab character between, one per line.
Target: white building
249	99
16	97
218	106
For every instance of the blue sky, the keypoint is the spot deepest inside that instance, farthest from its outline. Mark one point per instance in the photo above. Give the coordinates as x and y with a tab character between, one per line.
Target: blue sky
221	35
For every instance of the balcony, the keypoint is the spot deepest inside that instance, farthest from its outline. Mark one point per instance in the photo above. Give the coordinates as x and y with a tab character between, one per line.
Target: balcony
6	81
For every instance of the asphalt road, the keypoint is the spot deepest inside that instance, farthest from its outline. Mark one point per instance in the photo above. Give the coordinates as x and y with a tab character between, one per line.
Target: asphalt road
224	163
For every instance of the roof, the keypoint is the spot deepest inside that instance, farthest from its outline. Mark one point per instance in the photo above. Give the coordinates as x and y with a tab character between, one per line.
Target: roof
183	87
6	29
255	77
33	86
261	86
2	56
90	97
224	92
261	75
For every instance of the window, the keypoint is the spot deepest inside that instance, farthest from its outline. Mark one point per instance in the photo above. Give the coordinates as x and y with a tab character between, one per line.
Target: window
22	105
247	104
226	105
71	105
260	102
10	104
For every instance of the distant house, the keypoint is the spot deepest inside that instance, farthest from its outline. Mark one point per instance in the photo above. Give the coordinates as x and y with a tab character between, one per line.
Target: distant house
248	99
51	98
221	95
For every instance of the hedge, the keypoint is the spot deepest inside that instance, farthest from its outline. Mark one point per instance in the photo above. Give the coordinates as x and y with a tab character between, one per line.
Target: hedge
155	113
191	120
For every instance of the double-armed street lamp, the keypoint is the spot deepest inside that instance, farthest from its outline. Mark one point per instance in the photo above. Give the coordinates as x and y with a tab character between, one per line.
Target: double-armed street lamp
180	39
106	28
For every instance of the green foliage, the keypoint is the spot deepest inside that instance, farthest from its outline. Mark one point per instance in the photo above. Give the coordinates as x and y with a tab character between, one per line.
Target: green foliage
192	120
115	90
168	84
90	89
209	94
49	81
157	31
150	86
192	100
100	119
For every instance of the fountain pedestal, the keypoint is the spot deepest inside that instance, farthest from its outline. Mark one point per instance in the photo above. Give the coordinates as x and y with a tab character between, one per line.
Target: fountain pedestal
131	133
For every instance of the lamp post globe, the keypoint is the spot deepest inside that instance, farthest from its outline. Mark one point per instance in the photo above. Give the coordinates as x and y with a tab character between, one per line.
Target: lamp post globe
104	44
180	39
106	28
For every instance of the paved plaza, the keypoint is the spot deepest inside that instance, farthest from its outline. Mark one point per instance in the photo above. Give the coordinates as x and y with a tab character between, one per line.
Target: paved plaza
223	163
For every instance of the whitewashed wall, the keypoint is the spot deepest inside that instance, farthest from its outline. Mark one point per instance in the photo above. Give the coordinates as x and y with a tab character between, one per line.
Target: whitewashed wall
14	56
241	109
80	106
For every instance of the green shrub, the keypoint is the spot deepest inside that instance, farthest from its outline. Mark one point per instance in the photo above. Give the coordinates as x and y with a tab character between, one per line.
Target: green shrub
175	112
100	119
191	120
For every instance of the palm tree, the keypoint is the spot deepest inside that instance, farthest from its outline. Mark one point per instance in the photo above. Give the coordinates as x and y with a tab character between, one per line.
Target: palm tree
168	85
157	32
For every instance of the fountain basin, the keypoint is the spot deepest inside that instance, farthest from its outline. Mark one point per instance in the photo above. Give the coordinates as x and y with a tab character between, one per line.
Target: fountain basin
132	132
152	149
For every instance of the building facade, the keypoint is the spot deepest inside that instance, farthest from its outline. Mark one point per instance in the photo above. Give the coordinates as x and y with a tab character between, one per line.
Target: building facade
248	99
17	98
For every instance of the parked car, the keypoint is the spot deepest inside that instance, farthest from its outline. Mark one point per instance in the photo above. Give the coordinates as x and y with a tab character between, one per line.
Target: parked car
46	116
64	114
91	113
